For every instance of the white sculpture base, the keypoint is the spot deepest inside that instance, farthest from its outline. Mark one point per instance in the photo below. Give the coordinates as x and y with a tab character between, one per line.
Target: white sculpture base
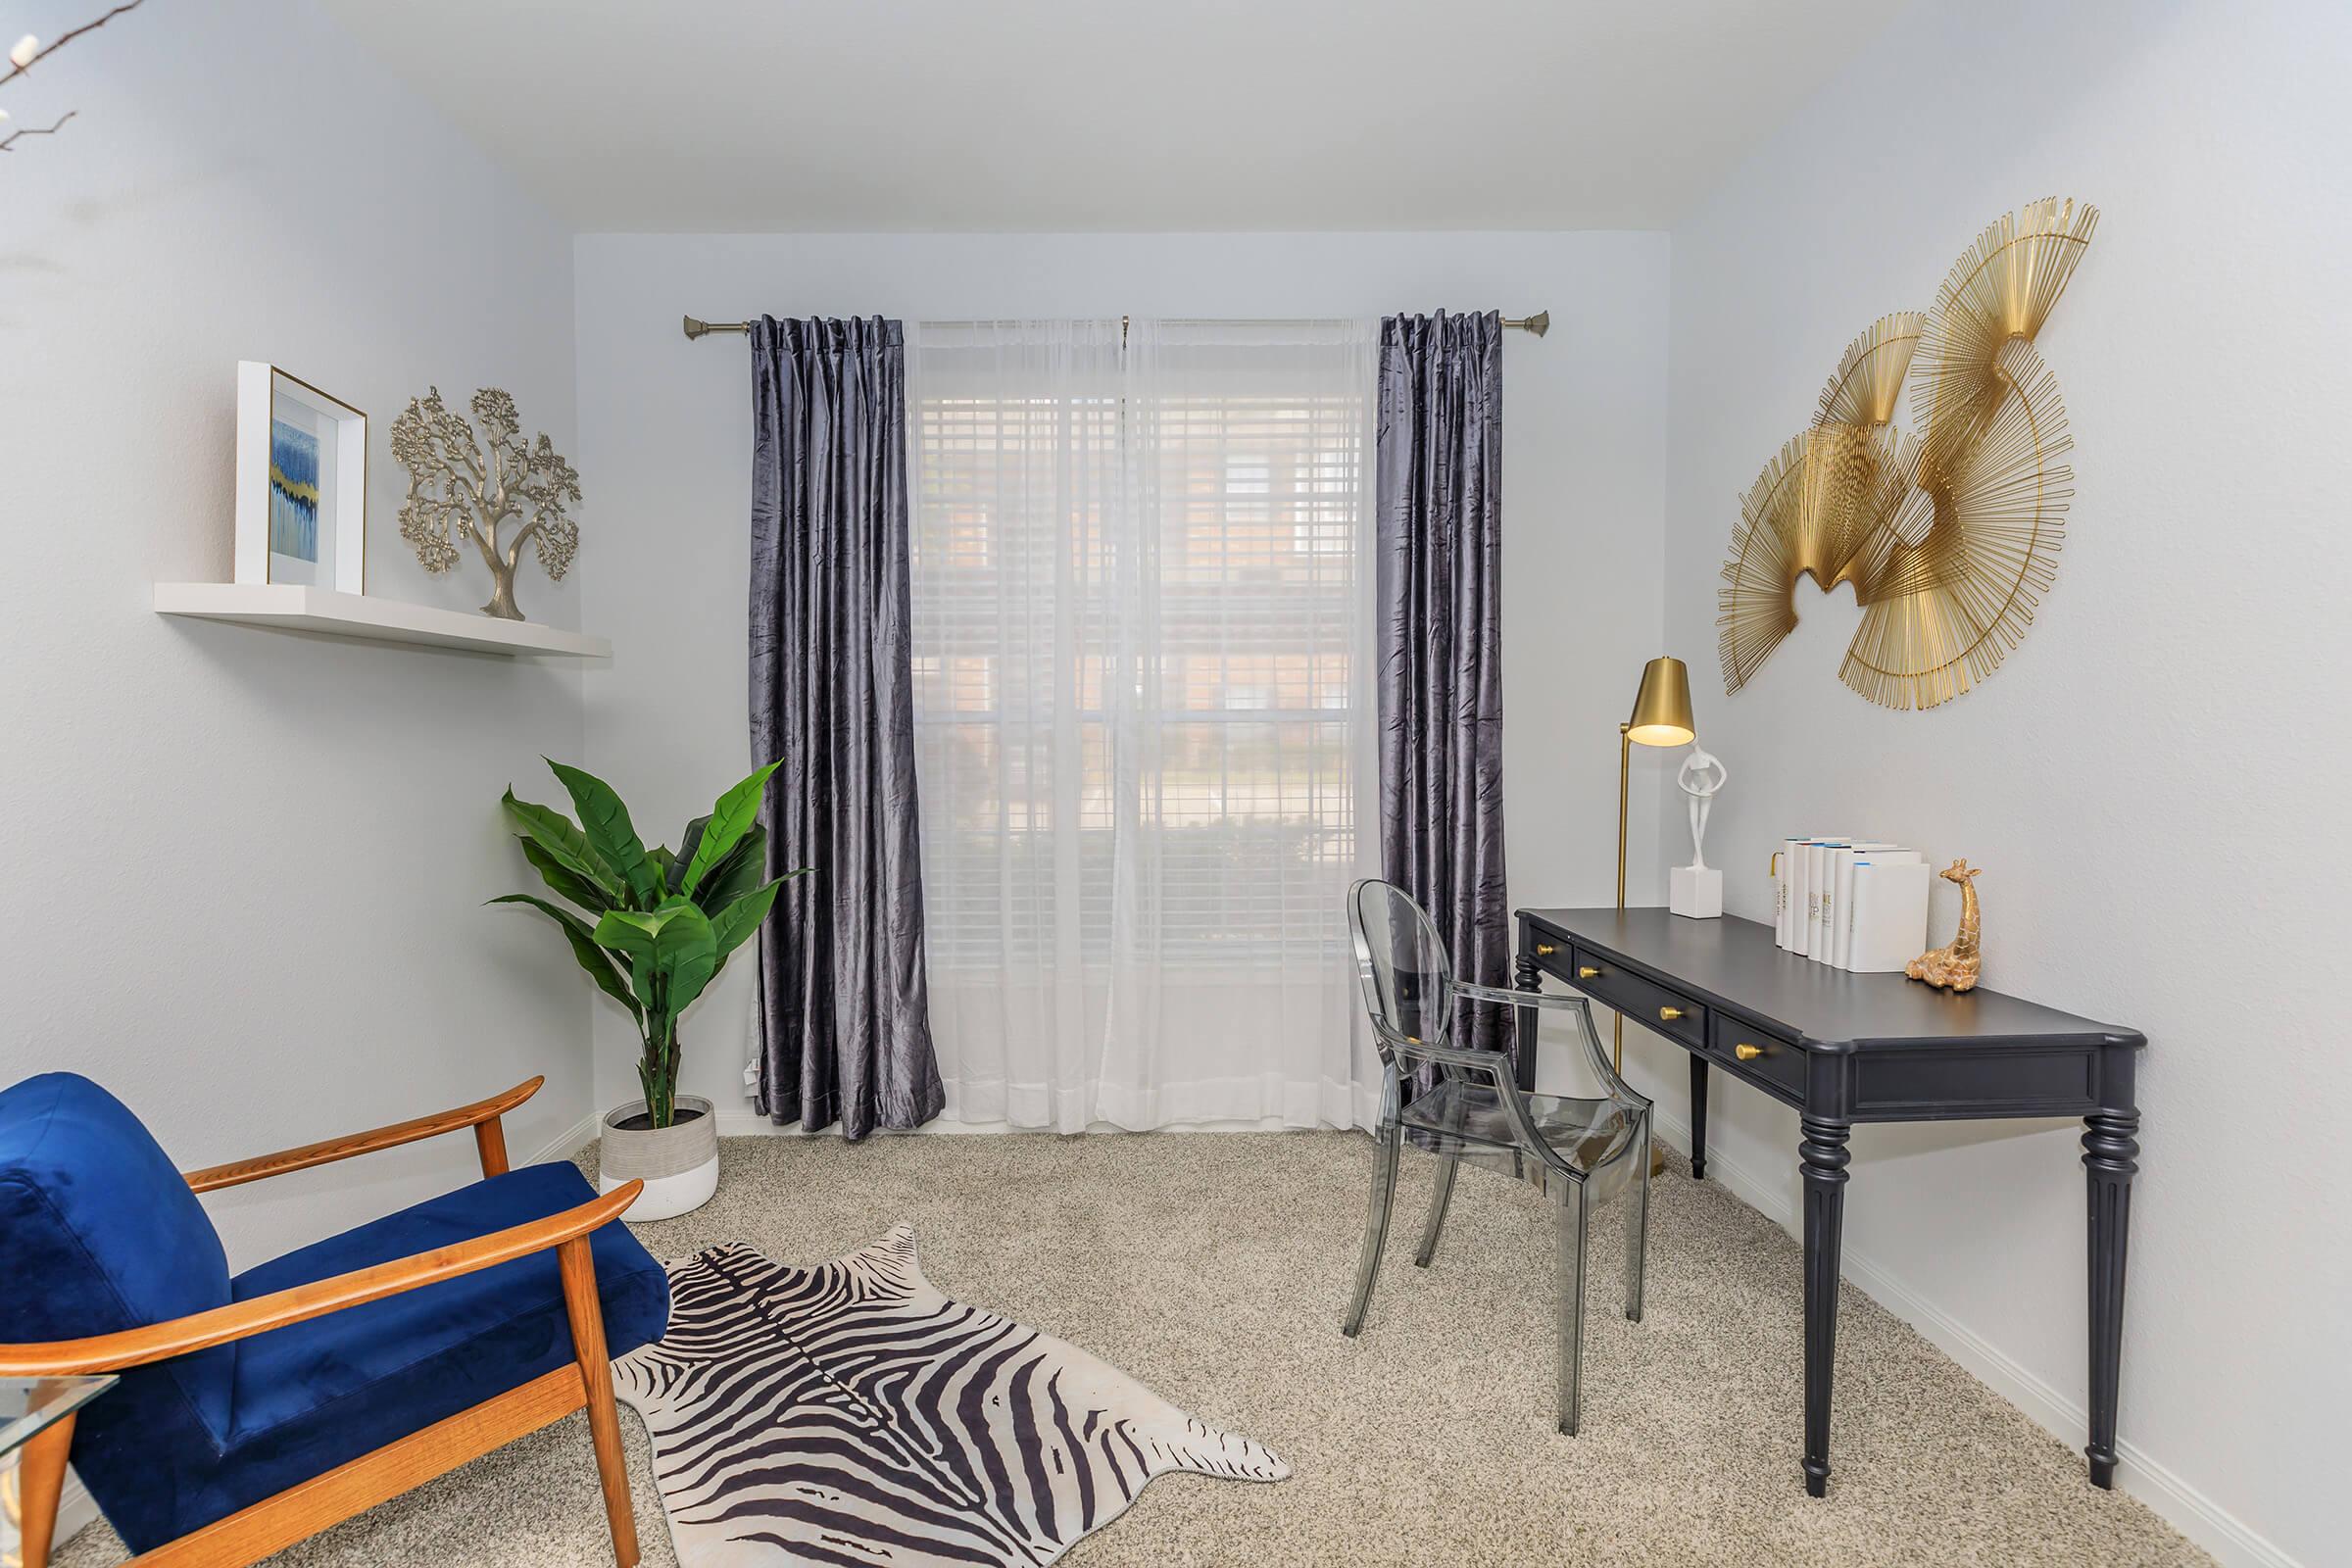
1695	892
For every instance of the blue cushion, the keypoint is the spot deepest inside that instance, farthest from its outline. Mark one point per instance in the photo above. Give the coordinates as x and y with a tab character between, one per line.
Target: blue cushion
99	1232
479	1326
314	1395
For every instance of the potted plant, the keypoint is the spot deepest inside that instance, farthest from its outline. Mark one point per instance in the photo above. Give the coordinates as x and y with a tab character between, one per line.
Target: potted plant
655	927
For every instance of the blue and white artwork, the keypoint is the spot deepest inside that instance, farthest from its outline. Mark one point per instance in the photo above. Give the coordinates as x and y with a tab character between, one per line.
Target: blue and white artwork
293	492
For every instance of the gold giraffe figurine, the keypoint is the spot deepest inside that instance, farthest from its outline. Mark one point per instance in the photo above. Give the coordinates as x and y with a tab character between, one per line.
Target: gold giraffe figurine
1955	968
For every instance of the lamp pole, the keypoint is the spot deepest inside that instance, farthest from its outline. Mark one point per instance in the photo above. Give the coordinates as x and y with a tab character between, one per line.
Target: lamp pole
1661	717
1625	777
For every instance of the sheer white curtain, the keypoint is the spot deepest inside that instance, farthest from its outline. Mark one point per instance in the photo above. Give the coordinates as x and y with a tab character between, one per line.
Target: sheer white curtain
1143	716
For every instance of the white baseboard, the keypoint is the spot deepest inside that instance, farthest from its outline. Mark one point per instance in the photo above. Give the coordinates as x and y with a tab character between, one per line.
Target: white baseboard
2231	1541
570	1141
752	1124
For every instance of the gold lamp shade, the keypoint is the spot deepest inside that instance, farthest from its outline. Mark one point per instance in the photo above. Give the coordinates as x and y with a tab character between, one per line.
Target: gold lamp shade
1662	708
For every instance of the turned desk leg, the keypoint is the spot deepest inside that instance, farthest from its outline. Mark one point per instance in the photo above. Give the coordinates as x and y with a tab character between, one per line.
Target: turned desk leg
1524	977
2110	1159
1823	1157
1699	1118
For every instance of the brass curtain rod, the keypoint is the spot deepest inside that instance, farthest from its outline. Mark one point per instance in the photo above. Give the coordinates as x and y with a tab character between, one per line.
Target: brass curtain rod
1538	323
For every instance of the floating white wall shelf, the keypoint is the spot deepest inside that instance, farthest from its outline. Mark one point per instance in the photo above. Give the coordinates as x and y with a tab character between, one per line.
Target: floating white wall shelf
382	620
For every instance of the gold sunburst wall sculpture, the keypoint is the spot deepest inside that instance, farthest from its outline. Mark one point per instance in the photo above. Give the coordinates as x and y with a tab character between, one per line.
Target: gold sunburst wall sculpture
1951	536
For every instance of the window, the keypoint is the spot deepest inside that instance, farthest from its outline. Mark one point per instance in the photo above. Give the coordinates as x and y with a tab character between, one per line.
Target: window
1189	528
1141	626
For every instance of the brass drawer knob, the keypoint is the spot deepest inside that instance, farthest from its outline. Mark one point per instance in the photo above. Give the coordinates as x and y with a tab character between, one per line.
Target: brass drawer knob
1669	1014
1745	1052
1586	971
1544	949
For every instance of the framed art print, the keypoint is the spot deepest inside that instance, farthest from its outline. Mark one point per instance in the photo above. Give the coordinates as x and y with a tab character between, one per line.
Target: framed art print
302	483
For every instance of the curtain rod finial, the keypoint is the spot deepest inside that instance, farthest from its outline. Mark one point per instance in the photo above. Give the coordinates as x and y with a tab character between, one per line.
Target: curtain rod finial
695	329
1540	322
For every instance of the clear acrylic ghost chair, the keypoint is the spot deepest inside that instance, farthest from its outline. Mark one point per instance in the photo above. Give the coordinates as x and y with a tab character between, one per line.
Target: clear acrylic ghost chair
1581	1151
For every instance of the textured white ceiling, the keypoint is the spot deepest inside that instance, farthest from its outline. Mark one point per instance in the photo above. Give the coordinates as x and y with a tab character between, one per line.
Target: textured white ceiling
1050	115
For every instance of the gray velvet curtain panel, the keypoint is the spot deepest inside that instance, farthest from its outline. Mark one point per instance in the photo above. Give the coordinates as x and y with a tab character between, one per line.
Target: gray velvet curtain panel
845	1029
1439	631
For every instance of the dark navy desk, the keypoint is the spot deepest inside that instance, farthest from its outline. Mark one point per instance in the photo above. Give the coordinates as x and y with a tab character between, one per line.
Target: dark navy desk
1852	1047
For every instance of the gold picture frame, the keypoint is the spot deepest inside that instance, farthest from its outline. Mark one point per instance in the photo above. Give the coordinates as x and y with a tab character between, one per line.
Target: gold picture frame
302	483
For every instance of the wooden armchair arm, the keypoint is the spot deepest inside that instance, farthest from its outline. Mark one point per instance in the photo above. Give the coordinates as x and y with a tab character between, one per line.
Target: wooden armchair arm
482	1117
157	1341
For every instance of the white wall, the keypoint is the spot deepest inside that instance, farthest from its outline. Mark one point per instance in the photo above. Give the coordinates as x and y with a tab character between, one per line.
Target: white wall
246	867
2154	779
669	422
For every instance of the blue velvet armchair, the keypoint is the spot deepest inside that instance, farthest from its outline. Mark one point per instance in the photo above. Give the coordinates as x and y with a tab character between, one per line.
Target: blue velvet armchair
258	1409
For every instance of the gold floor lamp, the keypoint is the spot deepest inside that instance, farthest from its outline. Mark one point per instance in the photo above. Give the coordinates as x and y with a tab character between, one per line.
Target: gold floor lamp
1661	717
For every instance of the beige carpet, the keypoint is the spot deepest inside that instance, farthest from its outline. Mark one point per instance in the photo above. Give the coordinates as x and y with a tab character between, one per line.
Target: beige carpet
1214	1266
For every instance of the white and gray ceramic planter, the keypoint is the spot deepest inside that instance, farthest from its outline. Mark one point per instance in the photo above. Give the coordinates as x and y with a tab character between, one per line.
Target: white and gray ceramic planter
678	1163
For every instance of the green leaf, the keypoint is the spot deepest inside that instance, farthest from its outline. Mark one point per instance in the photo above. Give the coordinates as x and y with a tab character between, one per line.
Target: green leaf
731	819
664	862
629	931
685	857
610	832
743	868
692	960
733	925
672	950
566	882
593	958
563	842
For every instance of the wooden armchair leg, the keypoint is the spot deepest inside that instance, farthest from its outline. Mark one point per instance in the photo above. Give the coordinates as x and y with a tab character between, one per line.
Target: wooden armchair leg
490	1142
587	1315
41	1480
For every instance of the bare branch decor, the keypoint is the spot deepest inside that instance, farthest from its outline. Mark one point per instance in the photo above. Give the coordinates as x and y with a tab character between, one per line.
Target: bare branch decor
29	52
460	488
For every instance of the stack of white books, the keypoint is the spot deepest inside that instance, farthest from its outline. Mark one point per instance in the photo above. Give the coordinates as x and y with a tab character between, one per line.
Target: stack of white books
1851	904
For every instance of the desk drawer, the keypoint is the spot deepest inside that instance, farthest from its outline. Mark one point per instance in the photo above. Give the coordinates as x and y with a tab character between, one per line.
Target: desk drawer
1751	1052
1651	1005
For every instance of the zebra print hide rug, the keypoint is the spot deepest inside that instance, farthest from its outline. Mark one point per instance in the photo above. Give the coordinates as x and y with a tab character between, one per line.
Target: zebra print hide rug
851	1414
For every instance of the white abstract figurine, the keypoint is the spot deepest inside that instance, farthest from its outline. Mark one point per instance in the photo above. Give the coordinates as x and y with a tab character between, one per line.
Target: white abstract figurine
1696	890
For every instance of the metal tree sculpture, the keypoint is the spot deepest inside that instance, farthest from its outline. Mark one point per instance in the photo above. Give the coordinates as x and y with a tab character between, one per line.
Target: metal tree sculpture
459	487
